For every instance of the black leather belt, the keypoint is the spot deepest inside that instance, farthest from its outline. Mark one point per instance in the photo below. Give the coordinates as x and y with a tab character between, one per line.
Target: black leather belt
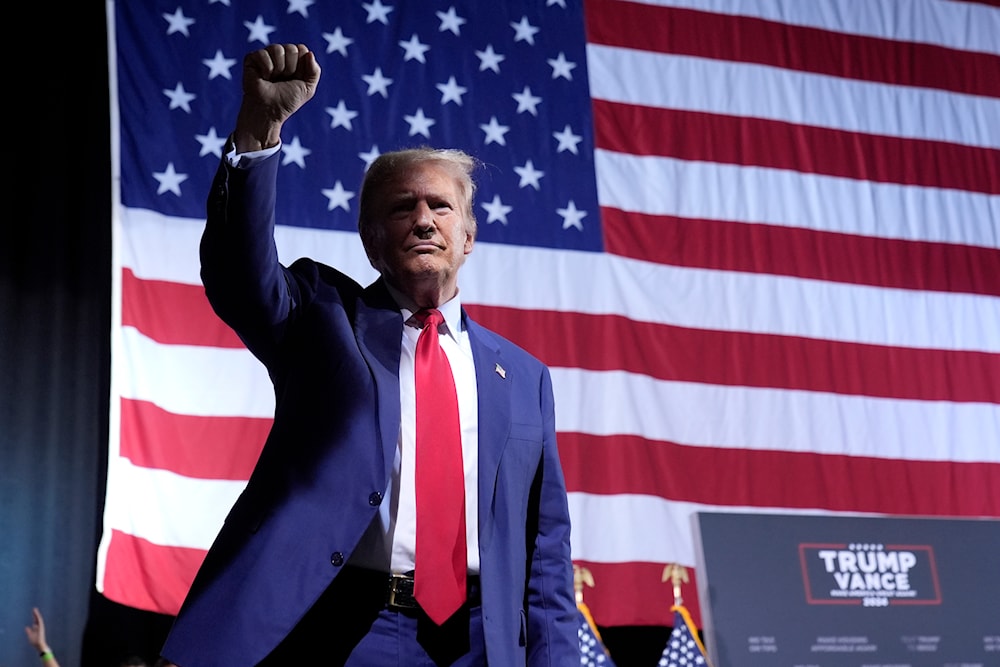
395	591
399	592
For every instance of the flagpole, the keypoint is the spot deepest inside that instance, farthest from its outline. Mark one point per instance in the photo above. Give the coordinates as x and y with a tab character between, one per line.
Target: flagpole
684	630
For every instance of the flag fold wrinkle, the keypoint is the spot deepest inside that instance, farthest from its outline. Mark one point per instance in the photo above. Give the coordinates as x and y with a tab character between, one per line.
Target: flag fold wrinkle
757	246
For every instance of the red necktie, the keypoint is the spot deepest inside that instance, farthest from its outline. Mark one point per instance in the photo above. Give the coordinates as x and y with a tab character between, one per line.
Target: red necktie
441	562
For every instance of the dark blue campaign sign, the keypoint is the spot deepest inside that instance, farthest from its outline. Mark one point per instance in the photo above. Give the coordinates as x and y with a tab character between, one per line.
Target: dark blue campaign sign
835	591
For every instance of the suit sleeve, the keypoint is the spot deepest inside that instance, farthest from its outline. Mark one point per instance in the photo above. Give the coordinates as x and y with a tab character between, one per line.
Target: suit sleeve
244	282
552	613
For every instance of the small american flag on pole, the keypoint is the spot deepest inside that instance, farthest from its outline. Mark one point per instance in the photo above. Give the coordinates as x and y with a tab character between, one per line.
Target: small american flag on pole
684	648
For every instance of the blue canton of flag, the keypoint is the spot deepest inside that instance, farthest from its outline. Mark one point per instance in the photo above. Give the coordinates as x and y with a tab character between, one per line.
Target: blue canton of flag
592	650
683	648
505	81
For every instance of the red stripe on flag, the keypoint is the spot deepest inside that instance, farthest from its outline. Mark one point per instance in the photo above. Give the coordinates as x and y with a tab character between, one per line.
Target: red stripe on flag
803	253
751	478
708	137
148	576
612	342
194	446
173	313
753	40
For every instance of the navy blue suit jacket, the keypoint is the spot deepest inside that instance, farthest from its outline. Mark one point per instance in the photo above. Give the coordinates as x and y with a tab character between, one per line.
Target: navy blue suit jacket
332	348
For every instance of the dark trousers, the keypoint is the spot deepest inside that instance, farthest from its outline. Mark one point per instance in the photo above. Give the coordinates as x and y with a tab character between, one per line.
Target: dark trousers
350	626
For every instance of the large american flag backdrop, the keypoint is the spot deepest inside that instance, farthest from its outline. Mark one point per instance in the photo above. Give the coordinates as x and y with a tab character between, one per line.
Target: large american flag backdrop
757	242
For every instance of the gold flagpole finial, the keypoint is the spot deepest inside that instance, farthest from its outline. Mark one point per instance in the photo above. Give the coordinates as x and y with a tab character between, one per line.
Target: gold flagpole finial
581	576
676	575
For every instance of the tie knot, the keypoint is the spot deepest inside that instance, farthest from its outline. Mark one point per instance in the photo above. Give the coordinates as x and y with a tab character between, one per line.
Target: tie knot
431	316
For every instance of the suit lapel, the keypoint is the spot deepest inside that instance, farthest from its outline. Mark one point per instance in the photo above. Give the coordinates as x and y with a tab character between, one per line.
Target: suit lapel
493	385
379	326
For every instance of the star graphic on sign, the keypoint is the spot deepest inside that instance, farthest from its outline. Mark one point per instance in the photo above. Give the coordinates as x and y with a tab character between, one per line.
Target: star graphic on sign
567	140
496	210
219	66
451	92
529	175
527	102
210	143
338	197
294	152
300	6
179	97
450	21
420	124
414	50
341	116
561	3
370	156
495	131
524	31
377	12
377	83
561	67
489	59
571	216
225	2
259	30
169	180
335	41
178	22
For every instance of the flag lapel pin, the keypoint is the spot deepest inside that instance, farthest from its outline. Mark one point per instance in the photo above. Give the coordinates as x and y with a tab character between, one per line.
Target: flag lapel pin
501	372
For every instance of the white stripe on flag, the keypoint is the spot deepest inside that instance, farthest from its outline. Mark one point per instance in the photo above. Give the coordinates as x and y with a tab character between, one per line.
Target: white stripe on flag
758	91
604	284
808	201
666	526
774	419
144	501
202	381
192	380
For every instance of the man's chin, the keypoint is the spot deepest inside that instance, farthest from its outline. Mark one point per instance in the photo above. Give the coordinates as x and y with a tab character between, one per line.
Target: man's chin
424	265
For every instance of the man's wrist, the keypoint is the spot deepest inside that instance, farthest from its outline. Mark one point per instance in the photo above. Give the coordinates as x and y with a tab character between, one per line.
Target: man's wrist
247	159
46	655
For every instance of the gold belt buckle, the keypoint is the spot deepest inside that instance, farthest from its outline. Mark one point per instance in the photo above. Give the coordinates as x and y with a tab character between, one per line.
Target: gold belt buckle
401	592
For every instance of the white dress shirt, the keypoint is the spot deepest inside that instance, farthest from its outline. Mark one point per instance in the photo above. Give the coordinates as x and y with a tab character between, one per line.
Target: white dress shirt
388	545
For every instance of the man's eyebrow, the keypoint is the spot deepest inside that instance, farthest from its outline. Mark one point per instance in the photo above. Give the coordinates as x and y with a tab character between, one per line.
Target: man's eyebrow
397	197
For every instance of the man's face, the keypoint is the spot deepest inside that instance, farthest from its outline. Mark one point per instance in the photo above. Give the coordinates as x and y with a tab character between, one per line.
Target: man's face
424	236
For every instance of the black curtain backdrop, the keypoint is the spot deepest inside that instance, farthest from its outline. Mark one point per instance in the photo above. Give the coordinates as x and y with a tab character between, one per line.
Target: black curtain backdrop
55	296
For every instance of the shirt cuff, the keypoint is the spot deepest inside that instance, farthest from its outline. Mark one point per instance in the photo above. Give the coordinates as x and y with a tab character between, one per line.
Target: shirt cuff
248	159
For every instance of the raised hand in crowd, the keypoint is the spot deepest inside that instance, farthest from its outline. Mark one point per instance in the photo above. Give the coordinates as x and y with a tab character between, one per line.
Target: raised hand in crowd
36	637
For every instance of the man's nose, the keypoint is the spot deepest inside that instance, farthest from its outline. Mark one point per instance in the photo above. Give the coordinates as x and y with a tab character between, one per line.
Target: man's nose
423	215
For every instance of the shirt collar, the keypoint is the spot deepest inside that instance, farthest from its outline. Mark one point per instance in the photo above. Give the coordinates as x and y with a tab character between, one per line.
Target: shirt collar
451	311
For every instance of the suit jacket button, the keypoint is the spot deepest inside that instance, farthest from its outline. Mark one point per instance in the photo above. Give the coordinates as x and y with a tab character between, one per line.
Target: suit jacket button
337	558
375	499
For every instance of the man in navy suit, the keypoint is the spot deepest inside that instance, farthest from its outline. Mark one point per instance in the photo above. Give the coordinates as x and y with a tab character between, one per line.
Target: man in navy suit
313	563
